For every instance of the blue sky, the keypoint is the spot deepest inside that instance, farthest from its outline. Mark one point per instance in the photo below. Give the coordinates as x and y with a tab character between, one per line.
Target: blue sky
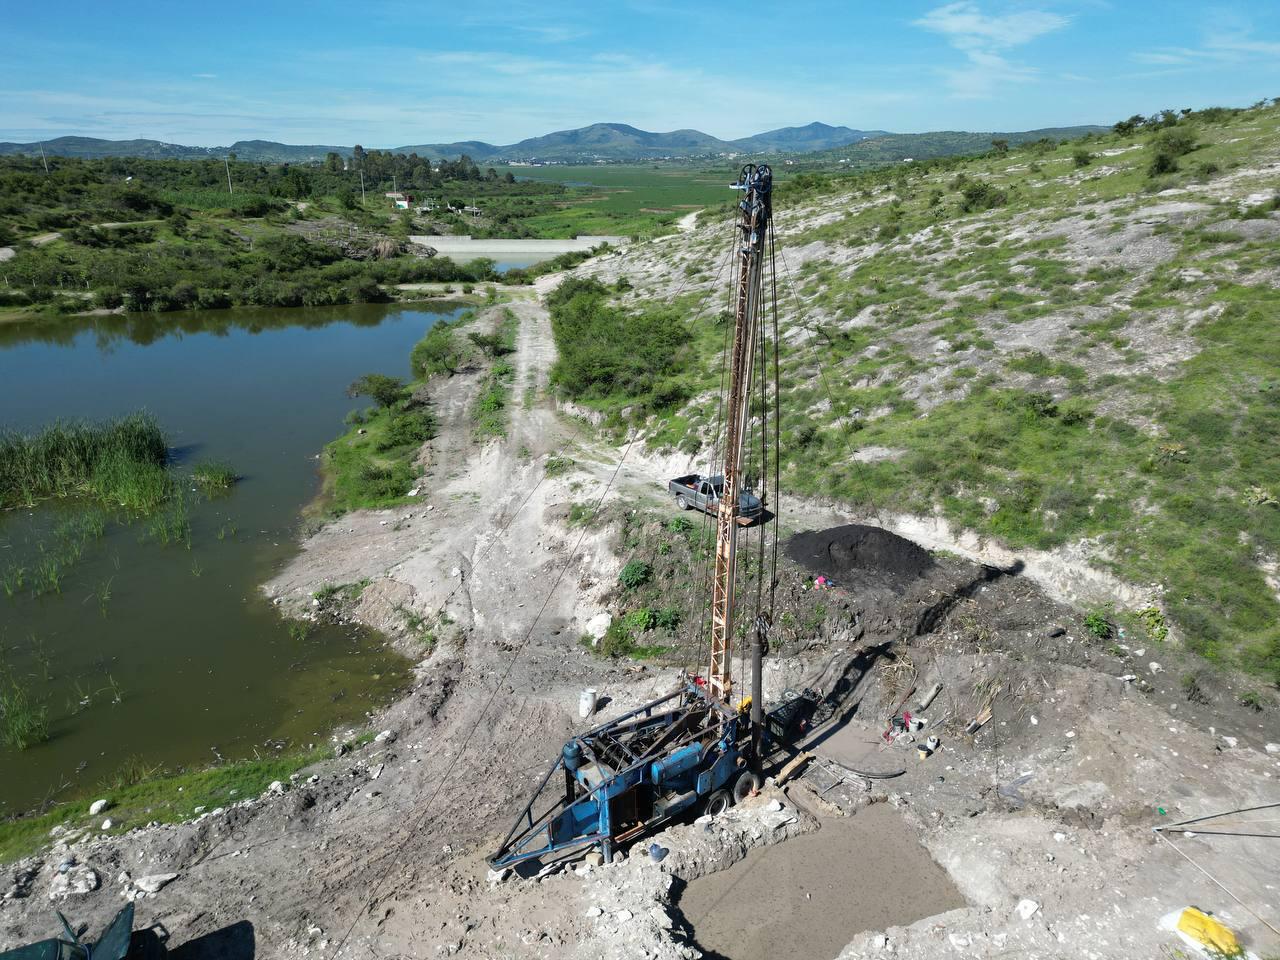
395	73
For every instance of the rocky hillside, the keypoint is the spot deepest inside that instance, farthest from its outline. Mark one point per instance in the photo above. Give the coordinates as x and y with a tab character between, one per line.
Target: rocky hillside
1067	349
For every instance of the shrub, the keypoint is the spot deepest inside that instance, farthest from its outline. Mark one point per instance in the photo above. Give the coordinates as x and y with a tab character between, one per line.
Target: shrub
411	427
557	465
1177	141
1153	620
635	574
680	524
1167	146
383	483
616	641
642	619
978	195
1251	699
1099	626
668	618
492	344
1161	164
1082	158
605	351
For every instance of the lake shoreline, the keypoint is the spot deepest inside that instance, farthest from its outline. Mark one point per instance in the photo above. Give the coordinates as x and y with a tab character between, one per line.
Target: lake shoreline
176	619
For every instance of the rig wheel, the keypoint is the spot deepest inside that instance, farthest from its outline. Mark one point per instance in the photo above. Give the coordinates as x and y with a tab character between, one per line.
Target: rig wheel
718	803
682	503
746	784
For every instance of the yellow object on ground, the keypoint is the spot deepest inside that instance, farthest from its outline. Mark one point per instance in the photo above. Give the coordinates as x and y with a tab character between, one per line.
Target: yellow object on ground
1205	930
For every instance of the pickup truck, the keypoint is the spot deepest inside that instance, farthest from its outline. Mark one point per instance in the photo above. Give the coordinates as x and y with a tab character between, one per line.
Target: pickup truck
695	492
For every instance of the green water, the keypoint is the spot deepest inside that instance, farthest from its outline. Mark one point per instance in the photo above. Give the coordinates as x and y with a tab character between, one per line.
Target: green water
186	662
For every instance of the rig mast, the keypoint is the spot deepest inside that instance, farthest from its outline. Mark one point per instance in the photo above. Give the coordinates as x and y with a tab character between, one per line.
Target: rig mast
754	217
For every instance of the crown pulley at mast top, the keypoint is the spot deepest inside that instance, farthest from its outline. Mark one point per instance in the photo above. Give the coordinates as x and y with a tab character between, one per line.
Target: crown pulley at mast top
756	181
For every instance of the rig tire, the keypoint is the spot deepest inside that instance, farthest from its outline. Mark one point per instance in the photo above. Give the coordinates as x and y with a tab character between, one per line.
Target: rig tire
746	784
718	803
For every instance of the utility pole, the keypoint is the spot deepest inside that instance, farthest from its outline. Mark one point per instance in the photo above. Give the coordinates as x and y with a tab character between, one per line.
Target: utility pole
44	159
362	188
227	162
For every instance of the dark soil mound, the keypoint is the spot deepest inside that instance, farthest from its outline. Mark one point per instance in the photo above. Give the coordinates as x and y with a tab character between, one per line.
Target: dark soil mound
855	553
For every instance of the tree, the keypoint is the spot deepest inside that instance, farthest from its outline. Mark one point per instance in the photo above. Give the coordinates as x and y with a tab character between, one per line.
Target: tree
333	162
357	156
1126	127
1000	146
383	390
437	352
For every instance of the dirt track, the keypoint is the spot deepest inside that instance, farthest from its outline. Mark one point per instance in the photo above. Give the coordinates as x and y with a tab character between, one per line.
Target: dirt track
381	852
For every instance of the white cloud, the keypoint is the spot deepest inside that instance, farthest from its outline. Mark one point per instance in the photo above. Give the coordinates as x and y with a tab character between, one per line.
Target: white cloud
1231	40
968	27
982	38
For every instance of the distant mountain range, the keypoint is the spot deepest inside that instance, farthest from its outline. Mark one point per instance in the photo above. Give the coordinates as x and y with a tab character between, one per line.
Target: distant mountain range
600	141
612	141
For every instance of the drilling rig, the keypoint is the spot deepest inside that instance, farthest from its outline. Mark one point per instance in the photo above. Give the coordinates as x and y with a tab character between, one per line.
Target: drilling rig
693	747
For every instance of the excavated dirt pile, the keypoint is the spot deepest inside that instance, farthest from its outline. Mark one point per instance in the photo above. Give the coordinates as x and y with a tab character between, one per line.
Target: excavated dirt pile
859	554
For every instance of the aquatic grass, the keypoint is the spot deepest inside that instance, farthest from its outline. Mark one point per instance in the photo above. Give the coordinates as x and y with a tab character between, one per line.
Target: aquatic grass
23	723
172	526
118	462
103	594
13	579
41	656
213	476
47	576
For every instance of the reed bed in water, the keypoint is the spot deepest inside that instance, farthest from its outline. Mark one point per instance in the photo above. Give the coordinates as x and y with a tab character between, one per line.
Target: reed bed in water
119	462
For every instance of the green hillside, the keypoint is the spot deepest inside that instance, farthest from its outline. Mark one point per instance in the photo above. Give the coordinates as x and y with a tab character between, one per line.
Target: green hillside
1064	347
897	147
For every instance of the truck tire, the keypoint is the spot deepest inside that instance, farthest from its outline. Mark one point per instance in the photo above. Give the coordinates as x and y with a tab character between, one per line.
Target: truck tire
718	803
682	503
743	787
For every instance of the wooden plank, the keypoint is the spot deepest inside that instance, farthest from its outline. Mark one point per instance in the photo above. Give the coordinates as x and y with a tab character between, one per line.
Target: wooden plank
792	765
